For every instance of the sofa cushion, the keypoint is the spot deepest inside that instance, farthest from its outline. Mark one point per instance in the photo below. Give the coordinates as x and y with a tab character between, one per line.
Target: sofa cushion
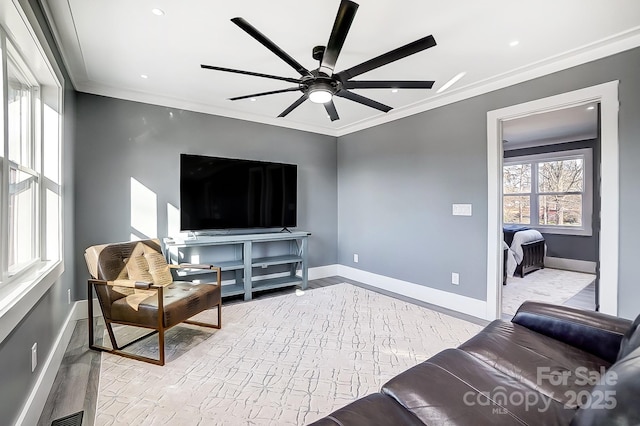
630	340
553	368
594	332
372	409
455	388
614	400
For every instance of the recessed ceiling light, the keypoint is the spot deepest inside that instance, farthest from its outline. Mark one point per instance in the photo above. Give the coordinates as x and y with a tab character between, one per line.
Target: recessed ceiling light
157	12
253	99
144	76
451	82
591	108
514	43
394	90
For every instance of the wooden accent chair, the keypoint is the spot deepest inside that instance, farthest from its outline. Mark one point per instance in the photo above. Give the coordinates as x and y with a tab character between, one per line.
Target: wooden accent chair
135	287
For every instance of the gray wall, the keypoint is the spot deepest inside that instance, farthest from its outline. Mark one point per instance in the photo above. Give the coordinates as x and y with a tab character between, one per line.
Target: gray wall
118	140
44	322
397	181
576	247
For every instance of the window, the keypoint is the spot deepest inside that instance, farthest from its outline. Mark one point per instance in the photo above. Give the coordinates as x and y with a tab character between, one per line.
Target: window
30	193
551	192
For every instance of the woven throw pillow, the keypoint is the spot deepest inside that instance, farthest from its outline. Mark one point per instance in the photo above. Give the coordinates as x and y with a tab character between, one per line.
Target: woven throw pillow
158	267
138	269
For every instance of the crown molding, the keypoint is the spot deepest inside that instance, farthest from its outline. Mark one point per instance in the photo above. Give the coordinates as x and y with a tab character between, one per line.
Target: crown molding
71	52
67	41
149	98
606	47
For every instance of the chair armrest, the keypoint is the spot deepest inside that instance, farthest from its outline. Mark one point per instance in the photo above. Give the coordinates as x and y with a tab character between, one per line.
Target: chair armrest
594	332
144	285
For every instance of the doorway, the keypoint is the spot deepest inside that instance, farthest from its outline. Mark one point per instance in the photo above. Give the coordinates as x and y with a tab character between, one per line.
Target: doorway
607	96
551	207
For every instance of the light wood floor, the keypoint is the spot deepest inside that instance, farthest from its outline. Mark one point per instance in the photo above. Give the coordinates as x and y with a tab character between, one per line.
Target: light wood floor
76	385
585	299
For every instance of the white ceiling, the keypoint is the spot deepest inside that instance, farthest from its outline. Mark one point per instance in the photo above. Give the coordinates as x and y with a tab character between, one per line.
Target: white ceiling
108	44
564	125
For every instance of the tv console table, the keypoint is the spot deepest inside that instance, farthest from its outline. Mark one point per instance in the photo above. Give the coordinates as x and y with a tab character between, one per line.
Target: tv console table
277	255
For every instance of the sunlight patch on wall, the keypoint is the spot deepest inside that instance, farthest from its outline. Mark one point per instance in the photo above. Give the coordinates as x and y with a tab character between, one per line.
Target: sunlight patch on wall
173	222
144	210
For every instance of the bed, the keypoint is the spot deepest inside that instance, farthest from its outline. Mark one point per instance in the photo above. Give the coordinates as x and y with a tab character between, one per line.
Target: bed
523	249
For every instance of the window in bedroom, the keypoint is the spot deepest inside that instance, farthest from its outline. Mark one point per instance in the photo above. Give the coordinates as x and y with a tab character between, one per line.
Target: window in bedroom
551	192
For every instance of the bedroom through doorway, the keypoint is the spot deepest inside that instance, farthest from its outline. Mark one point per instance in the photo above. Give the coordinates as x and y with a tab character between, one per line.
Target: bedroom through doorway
606	95
550	207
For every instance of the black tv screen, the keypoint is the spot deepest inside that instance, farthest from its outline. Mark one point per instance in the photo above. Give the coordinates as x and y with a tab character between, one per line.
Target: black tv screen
227	193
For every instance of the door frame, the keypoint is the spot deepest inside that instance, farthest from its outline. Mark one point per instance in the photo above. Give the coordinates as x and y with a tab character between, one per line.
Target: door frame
607	95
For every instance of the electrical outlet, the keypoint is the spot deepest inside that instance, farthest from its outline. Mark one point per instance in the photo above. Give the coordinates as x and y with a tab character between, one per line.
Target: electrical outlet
34	357
355	258
68	296
455	278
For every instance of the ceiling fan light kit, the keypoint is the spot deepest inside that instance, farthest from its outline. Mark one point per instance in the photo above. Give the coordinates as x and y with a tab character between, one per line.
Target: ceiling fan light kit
320	95
322	84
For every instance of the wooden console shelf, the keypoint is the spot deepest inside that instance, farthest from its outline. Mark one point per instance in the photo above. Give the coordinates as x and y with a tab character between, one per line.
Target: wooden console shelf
241	254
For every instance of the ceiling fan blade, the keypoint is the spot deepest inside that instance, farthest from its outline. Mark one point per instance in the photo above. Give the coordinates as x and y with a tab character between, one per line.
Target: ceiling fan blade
256	74
273	92
387	58
253	32
363	100
331	110
293	106
388	84
344	18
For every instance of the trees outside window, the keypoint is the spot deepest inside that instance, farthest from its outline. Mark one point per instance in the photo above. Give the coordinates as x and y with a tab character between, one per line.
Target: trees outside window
550	191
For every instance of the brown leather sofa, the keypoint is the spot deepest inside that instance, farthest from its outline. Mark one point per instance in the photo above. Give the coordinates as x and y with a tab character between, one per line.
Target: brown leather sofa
551	365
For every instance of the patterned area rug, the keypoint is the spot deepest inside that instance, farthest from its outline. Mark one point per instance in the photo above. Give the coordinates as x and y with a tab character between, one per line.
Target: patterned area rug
544	285
286	360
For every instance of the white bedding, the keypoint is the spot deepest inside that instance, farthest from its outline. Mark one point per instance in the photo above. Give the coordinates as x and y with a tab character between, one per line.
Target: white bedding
515	253
511	260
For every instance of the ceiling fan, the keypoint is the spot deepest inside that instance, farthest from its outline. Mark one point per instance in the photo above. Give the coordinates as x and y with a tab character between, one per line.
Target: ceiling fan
321	84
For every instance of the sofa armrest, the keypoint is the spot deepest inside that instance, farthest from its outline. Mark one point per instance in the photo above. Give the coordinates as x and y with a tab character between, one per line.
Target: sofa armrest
594	332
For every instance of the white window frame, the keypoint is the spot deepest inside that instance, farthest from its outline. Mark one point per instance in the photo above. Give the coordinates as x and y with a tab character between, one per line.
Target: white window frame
20	292
33	168
586	154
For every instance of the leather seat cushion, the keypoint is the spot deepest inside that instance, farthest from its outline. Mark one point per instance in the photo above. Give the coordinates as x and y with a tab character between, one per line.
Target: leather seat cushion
455	388
630	340
531	358
181	301
372	409
614	400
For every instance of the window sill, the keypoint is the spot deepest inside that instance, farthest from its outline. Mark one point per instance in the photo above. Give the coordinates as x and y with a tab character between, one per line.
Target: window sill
579	232
19	296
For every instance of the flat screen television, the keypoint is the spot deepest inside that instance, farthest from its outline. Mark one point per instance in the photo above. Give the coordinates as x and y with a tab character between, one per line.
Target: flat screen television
228	193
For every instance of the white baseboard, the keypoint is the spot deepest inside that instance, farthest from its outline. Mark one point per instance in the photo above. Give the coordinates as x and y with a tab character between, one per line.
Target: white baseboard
81	311
323	272
466	305
37	399
570	264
